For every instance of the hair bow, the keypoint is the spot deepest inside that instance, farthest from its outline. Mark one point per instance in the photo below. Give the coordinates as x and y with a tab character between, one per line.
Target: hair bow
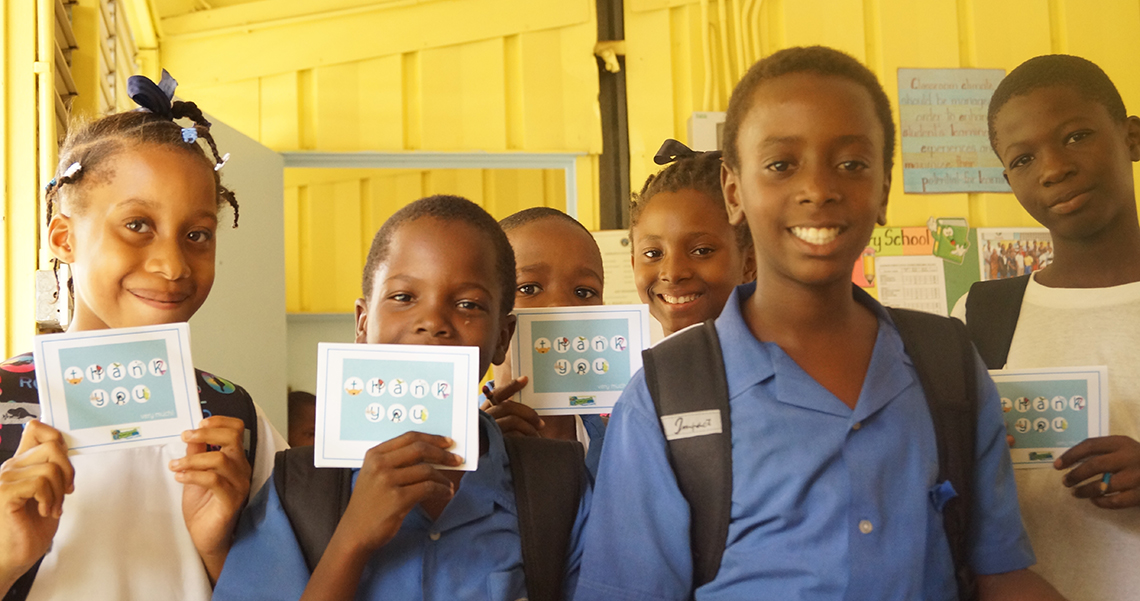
155	98
672	150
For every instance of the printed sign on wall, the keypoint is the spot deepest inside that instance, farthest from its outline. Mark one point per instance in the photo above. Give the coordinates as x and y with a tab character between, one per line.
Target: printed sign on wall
945	136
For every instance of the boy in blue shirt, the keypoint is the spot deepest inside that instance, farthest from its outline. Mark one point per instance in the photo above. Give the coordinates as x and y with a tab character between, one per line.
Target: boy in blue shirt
440	271
834	462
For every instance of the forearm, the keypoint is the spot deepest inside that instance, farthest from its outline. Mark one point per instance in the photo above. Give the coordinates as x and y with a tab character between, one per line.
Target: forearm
1022	585
338	574
214	562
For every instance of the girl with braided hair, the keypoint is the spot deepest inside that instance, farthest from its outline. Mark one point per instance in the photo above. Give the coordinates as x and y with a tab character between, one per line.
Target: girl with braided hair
133	211
687	257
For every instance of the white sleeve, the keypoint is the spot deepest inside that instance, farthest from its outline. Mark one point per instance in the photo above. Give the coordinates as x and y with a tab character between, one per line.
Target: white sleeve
959	311
269	441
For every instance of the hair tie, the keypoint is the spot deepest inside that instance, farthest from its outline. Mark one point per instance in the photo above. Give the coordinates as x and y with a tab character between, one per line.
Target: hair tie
673	150
189	135
156	98
222	163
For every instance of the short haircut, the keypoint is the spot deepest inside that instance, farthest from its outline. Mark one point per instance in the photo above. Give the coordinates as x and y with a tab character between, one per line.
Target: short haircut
533	214
93	143
299	399
700	172
818	60
1054	70
446	208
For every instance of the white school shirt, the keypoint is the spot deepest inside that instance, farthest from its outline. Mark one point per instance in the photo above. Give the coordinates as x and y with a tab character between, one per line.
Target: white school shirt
122	535
1088	553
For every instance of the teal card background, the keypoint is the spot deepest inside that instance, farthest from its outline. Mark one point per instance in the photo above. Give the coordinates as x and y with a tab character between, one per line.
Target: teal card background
1078	420
546	377
355	424
80	410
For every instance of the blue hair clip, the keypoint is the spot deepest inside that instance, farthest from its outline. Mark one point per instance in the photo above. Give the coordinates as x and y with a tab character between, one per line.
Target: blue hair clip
189	135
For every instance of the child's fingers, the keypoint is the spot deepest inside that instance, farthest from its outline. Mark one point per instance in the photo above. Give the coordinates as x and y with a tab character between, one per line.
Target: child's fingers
517	418
423	491
37	433
409	438
218	431
1092	447
52	452
416	451
1130	498
230	468
414	474
42	482
508	391
513	425
220	486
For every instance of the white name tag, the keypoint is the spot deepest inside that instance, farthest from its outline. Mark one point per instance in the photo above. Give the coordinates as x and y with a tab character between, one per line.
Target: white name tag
688	425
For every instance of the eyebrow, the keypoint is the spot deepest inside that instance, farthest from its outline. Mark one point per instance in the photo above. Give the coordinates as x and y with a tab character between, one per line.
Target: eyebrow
147	204
844	139
460	286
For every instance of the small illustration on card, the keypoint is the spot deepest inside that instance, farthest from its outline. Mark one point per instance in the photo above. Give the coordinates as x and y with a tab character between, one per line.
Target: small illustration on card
1048	411
118	388
371	393
578	359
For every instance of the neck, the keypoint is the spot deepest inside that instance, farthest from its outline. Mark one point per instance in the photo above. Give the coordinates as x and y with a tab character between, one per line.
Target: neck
82	319
781	310
1109	258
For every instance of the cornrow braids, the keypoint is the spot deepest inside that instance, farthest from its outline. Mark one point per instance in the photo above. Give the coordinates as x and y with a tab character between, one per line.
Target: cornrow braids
700	172
92	143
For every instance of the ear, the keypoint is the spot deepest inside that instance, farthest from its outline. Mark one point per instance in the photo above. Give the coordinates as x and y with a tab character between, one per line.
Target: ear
730	184
505	335
1133	127
882	217
361	321
749	265
61	238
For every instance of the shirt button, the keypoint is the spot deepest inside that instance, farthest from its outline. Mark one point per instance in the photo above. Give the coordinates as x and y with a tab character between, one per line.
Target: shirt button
865	526
857	425
435	535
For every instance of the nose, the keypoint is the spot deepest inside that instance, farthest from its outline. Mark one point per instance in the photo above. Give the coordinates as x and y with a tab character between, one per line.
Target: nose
433	319
675	267
1055	167
168	259
817	185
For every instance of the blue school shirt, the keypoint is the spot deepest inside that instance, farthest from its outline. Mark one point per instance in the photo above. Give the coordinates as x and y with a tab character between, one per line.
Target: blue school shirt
472	552
827	502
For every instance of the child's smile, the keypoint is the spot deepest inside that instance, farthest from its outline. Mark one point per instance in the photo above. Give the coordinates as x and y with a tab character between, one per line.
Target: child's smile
1067	160
811	182
140	239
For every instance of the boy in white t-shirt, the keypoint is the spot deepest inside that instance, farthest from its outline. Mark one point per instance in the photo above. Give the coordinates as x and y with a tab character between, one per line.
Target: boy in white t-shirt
1059	127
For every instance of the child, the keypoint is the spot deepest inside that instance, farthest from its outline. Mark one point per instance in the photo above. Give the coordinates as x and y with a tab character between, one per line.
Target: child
302	418
440	271
135	202
834	491
687	257
558	264
1059	127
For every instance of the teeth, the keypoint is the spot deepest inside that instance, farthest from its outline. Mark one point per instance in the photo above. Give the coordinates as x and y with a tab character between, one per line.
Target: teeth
678	300
816	235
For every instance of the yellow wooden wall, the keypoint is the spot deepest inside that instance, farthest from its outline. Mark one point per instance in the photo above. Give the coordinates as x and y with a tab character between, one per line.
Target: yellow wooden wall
674	46
354	75
331	216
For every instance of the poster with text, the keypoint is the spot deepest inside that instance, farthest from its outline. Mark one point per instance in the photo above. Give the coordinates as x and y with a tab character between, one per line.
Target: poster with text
945	136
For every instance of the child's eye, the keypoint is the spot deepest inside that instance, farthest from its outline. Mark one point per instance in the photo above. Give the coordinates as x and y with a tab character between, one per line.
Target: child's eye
853	165
401	297
139	226
651	253
778	166
584	293
529	289
1077	136
469	305
704	250
1020	161
200	236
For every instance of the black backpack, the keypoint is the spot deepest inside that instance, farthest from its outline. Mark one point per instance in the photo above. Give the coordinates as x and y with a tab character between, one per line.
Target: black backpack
992	311
548	481
944	360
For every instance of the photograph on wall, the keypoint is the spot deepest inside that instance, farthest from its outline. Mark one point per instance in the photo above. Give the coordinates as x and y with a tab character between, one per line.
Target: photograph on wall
1011	252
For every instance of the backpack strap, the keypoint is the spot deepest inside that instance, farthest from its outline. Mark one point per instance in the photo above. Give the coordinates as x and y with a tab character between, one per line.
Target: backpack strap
314	499
547	475
696	421
944	360
230	400
992	310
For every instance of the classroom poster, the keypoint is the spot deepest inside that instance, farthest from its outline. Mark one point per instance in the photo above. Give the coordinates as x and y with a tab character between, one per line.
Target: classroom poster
117	388
1048	411
945	136
616	248
578	359
370	393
